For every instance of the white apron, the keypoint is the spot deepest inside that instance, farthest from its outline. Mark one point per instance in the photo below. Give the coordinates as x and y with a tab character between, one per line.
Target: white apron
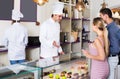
49	32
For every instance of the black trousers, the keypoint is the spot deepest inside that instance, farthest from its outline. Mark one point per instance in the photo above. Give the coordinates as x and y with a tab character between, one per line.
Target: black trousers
119	60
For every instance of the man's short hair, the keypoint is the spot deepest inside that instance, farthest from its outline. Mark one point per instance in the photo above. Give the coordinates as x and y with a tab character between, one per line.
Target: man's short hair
106	11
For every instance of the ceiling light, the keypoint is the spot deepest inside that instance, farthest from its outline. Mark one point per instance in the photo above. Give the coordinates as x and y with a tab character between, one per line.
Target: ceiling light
104	5
40	2
80	6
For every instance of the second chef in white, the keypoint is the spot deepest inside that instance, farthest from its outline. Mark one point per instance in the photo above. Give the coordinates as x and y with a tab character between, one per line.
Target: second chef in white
50	33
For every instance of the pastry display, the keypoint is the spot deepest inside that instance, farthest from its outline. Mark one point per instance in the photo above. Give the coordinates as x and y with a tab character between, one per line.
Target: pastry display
69	74
63	77
51	76
48	72
63	73
57	76
75	75
74	70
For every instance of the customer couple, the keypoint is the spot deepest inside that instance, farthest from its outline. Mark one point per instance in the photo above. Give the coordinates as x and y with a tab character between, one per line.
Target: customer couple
104	53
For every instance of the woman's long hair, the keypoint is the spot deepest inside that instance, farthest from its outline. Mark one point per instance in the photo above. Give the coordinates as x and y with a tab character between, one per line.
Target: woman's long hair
100	23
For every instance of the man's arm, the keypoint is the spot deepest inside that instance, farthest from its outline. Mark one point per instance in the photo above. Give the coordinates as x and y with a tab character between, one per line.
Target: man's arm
118	34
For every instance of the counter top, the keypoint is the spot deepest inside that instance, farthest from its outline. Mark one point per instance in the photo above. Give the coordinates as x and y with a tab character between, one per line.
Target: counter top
3	49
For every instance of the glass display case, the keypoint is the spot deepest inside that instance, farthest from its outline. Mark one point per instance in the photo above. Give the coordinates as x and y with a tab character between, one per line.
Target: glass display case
71	69
19	71
74	69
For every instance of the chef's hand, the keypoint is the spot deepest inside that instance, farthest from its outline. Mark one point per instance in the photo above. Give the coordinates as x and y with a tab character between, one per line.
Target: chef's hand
55	44
62	53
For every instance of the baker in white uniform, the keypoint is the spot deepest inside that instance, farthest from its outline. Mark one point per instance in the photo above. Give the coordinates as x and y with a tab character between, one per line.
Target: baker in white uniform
50	33
16	39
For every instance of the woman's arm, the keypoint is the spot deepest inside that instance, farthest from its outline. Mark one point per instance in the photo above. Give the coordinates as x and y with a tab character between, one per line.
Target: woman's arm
100	49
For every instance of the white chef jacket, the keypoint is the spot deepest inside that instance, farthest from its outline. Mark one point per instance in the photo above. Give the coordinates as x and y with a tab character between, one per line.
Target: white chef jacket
16	39
49	32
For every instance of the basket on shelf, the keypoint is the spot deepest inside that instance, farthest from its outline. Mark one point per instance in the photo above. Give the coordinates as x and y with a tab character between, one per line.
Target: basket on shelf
74	36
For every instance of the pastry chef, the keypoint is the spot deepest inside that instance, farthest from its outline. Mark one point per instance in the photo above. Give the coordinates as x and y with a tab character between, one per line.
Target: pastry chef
16	39
50	34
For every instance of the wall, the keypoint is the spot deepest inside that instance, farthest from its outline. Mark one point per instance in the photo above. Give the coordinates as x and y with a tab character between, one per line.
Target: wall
43	13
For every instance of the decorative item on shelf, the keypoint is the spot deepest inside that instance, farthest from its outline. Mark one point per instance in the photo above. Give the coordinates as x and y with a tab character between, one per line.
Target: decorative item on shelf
75	27
80	6
65	37
65	1
73	1
74	36
86	2
76	13
65	12
104	5
64	50
40	2
116	12
37	23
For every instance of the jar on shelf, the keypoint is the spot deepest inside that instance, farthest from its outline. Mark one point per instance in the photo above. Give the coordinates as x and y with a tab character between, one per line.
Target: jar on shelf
76	13
66	12
65	37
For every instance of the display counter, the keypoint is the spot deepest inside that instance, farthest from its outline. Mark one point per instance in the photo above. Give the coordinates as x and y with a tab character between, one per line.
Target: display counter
72	69
3	49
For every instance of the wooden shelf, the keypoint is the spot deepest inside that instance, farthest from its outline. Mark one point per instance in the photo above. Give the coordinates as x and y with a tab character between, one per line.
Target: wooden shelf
86	32
85	19
76	18
65	18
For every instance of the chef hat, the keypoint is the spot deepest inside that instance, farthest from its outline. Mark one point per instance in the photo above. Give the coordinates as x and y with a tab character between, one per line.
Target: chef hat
58	8
16	15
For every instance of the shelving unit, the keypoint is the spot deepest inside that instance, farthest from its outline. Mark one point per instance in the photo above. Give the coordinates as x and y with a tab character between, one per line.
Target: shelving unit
72	48
85	30
69	24
76	46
